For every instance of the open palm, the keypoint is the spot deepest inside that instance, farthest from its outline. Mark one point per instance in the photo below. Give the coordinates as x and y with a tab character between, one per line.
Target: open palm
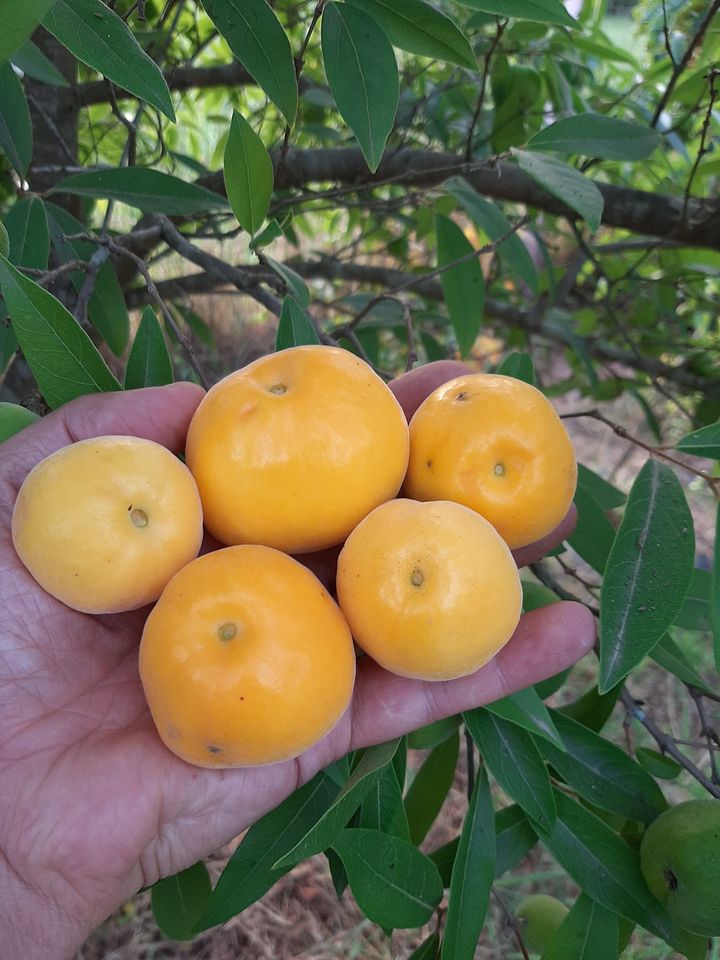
92	805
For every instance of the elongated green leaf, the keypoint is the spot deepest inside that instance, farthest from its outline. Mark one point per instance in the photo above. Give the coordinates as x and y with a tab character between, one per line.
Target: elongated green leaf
536	595
526	709
17	22
589	932
493	222
431	785
428	950
669	655
539	11
362	73
593	709
593	535
296	286
599	489
295	327
249	873
695	613
248	173
149	190
149	364
16	136
647	574
463	285
603	773
566	183
472	876
704	442
257	39
321	834
99	38
13	419
595	135
520	366
178	901
394	884
418	27
33	62
62	357
27	227
433	733
607	869
382	806
515	762
658	764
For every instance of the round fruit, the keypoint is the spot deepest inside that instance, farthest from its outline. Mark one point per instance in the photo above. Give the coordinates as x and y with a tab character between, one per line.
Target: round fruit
495	444
680	860
245	659
542	915
103	524
429	589
295	449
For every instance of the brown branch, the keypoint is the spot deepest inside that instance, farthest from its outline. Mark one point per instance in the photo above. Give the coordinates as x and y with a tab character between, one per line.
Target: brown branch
703	148
499	30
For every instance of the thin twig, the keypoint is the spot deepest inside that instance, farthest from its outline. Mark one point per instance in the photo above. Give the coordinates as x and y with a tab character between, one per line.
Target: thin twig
511	922
499	30
703	148
94	265
706	730
299	64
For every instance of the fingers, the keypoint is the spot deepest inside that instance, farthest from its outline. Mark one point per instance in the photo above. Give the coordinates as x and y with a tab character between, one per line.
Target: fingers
413	387
546	641
534	551
161	414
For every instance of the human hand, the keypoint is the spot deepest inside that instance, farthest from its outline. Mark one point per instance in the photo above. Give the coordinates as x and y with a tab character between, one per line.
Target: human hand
92	805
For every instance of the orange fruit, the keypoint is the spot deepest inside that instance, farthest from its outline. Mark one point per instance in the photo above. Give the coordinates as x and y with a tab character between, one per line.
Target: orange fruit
245	659
295	449
103	524
495	444
429	589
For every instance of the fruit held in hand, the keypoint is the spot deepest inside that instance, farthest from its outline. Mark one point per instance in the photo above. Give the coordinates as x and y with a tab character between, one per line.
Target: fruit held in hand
245	659
680	860
295	449
542	915
429	589
103	524
496	445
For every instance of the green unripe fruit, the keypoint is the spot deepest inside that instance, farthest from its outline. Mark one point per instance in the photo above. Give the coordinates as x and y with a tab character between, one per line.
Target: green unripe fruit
680	860
13	419
4	241
542	915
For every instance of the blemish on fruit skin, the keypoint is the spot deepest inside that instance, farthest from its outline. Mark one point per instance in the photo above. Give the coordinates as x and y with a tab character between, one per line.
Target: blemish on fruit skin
278	389
429	464
463	395
227	631
213	749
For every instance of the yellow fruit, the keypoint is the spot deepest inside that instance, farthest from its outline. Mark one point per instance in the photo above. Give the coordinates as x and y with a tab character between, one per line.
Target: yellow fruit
295	449
103	524
496	445
245	659
429	589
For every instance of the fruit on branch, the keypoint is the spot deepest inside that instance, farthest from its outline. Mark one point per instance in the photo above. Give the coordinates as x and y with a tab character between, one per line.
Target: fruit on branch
541	916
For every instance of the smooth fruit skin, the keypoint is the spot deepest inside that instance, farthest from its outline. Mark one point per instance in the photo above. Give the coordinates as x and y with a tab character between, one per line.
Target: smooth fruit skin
245	659
680	860
295	449
496	445
429	589
542	915
103	524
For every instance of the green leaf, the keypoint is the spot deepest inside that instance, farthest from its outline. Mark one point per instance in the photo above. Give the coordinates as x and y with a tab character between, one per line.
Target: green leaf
526	709
463	285
566	183
433	733
321	834
430	787
257	39
63	359
704	442
670	657
382	806
595	135
520	366
149	190
536	595
27	227
515	762
606	868
17	22
13	419
295	327
418	27
248	173
593	709
361	70
33	62
602	773
472	876
178	901
599	489
16	135
249	873
99	38
589	932
394	884
149	364
647	574
657	764
695	613
538	11
593	535
296	286
428	950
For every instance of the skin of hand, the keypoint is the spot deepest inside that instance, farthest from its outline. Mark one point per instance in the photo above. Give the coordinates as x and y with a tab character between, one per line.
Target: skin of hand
92	805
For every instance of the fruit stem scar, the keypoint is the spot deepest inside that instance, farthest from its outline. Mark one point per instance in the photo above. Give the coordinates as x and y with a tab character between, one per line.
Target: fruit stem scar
278	388
499	470
138	517
227	631
417	577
